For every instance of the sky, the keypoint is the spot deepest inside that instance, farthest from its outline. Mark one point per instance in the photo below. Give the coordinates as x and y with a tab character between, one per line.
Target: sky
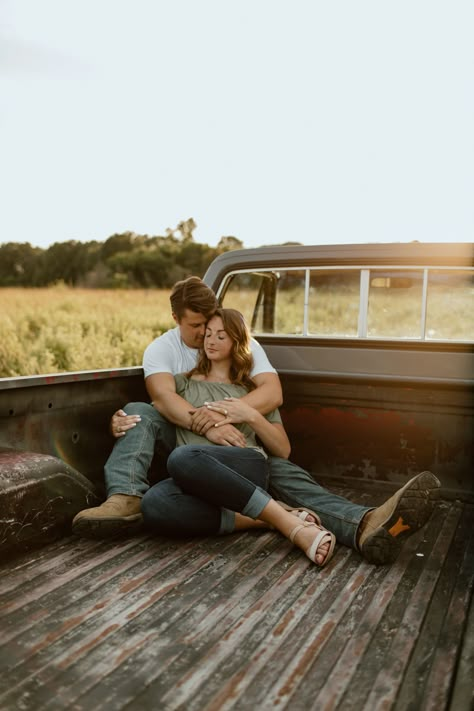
272	121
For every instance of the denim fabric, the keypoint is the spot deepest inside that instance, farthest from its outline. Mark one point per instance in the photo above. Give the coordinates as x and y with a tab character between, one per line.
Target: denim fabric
168	511
293	485
126	470
205	489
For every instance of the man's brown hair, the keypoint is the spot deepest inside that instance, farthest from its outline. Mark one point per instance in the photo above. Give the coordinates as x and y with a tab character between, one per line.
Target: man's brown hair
192	294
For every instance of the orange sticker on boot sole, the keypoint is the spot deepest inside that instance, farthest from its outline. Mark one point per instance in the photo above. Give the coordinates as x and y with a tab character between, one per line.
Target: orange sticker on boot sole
398	528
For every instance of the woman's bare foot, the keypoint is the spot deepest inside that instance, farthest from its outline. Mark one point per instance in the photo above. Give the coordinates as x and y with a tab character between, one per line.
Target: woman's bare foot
244	523
317	543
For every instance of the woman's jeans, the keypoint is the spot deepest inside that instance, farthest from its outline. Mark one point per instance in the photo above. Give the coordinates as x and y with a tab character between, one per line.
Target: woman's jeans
208	484
126	472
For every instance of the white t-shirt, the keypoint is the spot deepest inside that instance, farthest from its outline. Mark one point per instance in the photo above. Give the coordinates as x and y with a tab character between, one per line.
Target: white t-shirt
168	354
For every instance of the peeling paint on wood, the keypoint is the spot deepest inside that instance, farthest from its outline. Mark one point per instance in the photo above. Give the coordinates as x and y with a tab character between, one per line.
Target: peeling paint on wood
237	622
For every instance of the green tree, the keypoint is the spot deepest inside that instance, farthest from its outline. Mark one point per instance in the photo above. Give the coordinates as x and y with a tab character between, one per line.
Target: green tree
20	264
123	260
67	261
183	230
226	244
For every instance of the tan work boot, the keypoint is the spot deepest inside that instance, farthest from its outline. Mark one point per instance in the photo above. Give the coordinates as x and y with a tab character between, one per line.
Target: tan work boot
383	530
119	514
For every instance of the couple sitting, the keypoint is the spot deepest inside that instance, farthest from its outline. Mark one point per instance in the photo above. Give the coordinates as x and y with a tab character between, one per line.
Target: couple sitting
219	489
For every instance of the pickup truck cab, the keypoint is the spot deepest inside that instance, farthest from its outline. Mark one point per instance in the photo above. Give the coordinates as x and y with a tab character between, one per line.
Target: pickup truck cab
374	348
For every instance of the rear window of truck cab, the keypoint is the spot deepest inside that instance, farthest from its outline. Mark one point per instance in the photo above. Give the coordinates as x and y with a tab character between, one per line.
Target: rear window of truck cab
418	302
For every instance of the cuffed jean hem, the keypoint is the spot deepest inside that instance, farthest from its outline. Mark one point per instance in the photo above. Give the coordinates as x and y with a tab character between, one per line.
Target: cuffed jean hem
227	522
114	490
253	509
256	503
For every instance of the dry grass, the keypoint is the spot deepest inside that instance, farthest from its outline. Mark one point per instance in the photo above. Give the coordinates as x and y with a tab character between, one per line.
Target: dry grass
62	329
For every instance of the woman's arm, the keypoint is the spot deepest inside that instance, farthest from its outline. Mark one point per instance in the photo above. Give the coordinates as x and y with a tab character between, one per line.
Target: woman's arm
271	434
162	391
161	388
274	438
266	397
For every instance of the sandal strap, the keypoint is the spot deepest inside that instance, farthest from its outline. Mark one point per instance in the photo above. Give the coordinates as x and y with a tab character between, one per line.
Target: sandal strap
319	540
301	512
294	532
323	536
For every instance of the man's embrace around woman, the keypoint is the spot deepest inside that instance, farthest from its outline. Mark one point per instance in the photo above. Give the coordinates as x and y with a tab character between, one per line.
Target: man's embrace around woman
219	470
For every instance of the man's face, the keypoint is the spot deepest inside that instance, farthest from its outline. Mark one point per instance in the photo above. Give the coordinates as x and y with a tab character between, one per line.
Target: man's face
192	326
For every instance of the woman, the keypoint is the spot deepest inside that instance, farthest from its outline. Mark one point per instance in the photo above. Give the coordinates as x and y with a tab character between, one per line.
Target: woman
216	489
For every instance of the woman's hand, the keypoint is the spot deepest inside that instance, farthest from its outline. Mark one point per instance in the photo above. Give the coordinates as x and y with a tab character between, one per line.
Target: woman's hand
272	435
234	409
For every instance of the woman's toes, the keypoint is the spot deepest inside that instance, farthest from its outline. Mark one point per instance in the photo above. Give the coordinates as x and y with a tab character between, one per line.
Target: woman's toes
308	537
323	550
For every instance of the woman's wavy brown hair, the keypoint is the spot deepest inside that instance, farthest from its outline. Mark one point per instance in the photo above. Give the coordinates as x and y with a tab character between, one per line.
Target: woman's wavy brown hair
241	354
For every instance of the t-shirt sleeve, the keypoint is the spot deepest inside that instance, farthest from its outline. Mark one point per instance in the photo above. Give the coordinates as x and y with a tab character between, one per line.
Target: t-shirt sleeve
261	364
158	357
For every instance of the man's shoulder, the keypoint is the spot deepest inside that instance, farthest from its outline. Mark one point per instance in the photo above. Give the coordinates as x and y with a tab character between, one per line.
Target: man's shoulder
261	364
170	337
256	348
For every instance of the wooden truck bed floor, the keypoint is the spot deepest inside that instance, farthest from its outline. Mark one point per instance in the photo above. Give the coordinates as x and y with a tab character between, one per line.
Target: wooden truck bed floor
240	622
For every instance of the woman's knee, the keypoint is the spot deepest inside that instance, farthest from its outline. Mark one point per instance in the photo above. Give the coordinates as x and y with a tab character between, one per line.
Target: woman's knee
182	459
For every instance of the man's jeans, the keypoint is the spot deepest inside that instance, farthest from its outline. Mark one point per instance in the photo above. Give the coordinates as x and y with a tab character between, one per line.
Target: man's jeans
208	484
294	486
126	472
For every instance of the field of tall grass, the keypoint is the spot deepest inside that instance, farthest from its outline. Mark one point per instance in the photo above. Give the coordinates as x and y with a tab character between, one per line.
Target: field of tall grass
63	329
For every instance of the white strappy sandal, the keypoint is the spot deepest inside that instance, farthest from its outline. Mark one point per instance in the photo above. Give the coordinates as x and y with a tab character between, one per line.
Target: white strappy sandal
323	536
301	512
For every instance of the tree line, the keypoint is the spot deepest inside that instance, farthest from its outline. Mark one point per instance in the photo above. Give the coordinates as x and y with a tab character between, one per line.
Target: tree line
126	260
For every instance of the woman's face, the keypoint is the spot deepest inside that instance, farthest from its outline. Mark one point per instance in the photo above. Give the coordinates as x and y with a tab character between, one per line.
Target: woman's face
217	344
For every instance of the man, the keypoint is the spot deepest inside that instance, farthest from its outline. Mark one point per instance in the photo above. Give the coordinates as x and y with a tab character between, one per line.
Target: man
142	428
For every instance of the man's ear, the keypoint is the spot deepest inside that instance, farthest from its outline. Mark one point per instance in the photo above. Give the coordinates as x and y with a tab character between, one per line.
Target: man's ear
175	317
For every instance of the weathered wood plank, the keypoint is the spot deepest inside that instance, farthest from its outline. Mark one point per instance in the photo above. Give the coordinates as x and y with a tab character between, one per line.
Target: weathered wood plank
237	622
428	686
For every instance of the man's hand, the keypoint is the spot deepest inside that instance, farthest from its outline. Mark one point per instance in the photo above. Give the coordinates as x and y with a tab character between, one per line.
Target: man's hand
227	435
121	423
203	418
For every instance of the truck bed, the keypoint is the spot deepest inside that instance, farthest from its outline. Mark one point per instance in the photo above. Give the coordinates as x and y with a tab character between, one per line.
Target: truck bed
240	622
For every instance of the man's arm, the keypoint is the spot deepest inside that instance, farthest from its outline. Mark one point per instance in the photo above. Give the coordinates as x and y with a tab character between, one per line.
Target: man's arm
161	388
266	397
